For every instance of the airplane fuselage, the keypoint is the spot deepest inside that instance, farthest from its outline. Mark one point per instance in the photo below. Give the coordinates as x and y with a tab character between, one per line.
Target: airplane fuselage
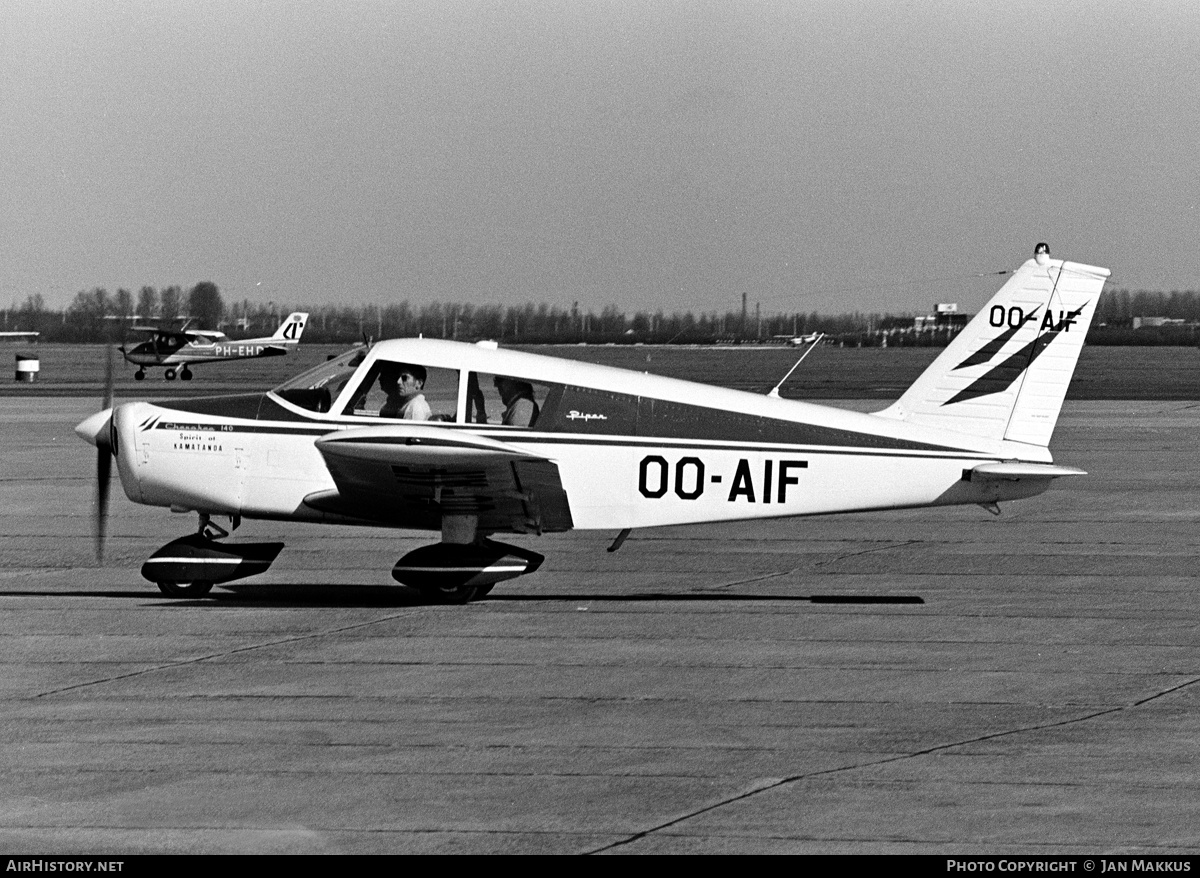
631	450
147	354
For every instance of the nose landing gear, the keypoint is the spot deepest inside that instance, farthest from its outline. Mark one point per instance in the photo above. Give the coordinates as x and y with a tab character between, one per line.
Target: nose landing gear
197	589
190	566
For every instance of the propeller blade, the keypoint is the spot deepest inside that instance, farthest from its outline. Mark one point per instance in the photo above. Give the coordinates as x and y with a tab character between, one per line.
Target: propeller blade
103	472
108	380
104	456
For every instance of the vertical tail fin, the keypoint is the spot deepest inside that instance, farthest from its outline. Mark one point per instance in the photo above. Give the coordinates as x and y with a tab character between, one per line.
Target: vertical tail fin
1006	374
292	327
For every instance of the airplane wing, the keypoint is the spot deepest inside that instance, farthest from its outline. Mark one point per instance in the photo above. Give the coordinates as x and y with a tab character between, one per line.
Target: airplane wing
410	475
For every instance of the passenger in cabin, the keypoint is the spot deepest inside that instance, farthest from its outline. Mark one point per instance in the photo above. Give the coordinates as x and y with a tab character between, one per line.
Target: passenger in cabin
403	384
520	409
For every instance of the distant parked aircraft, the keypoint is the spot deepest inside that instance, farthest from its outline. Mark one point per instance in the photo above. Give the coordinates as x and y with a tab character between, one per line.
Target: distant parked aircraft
179	347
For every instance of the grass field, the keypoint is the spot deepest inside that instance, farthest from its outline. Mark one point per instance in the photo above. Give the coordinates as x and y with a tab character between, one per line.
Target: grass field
827	373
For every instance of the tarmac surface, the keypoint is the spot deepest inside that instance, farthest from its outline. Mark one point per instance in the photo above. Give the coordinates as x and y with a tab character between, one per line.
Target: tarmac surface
929	681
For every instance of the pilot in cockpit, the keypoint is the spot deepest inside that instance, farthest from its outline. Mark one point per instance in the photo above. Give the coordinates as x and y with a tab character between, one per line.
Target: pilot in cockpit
403	384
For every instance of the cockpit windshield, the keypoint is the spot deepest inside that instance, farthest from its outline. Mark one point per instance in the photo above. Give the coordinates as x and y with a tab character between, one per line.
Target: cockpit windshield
317	388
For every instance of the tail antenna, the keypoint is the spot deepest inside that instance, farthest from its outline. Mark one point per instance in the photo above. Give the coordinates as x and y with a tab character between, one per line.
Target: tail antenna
775	390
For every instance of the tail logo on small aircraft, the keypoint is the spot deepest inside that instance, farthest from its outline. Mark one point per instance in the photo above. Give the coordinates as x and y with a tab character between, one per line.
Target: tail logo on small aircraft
1001	377
292	331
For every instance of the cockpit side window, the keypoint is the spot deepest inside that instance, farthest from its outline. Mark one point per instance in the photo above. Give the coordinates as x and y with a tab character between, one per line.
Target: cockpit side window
405	391
505	400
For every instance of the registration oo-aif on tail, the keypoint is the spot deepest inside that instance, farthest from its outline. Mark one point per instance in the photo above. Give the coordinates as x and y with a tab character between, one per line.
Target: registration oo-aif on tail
474	443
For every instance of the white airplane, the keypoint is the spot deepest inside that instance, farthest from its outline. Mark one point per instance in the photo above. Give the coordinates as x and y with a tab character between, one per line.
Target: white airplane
798	340
178	347
518	443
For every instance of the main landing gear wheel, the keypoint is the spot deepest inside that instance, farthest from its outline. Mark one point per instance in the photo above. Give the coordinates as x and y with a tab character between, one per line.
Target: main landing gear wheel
186	374
457	573
197	589
169	374
458	594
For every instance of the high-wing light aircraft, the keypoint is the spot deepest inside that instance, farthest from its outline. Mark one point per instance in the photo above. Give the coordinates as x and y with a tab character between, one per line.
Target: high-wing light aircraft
518	443
798	340
179	347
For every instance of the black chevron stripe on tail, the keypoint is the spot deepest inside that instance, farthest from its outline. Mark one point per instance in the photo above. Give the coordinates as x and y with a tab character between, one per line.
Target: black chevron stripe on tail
1001	377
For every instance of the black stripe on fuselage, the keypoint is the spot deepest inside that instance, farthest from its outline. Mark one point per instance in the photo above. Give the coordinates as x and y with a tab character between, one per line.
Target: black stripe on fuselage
244	406
703	445
291	430
671	423
598	441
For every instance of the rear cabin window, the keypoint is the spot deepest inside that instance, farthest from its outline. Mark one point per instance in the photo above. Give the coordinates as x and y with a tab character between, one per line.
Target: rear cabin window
504	400
405	391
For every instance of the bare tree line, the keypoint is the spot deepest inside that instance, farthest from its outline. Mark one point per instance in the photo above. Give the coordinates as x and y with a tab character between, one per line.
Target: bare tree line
96	315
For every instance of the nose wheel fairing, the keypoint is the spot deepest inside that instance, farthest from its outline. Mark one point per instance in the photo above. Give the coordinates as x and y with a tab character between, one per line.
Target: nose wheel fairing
191	565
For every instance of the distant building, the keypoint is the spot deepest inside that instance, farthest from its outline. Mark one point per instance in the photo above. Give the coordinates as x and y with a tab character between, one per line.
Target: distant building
945	316
1152	322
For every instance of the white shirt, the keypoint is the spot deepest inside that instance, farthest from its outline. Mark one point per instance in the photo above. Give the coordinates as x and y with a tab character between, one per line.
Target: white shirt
415	408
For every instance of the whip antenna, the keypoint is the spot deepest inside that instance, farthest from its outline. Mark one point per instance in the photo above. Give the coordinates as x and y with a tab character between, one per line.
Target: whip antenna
775	390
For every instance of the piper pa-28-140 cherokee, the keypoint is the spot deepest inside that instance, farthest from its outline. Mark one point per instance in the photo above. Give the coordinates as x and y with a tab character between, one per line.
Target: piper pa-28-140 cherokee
519	443
173	348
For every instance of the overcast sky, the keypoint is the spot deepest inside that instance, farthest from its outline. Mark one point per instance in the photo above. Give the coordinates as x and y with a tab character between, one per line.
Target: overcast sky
830	156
